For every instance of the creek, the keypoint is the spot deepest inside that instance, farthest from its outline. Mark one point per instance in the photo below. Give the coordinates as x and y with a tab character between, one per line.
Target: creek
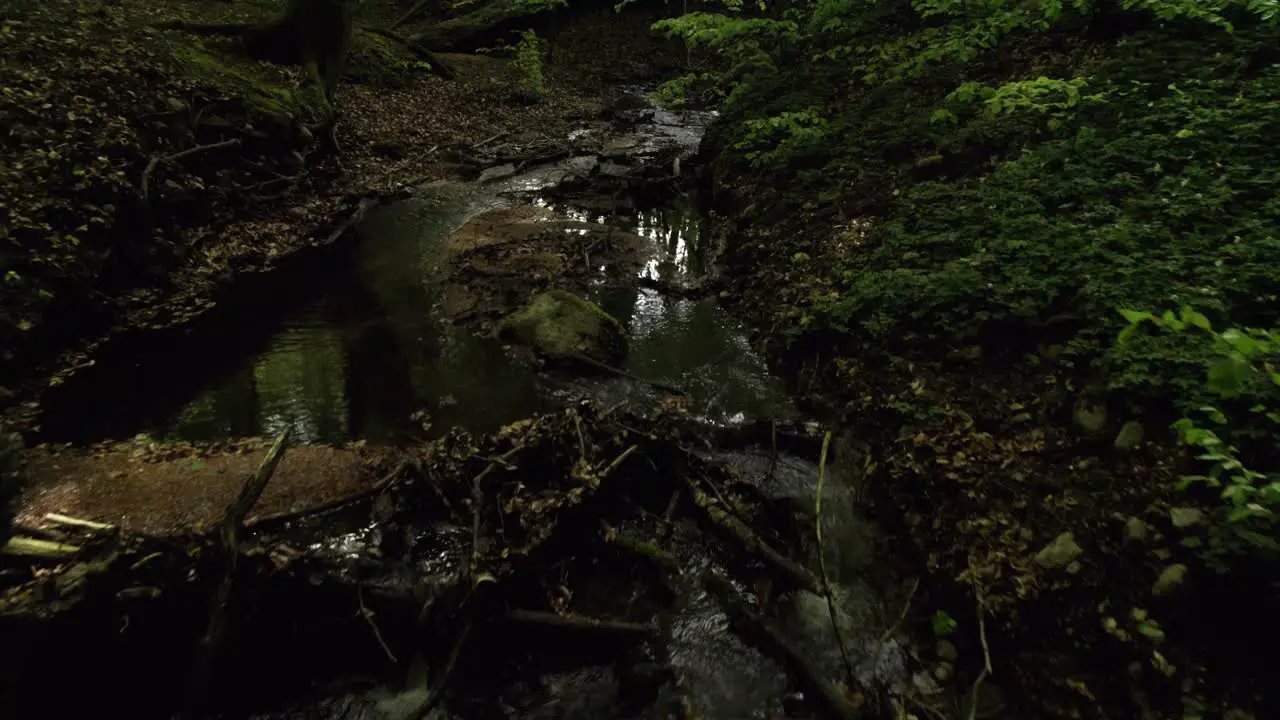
374	343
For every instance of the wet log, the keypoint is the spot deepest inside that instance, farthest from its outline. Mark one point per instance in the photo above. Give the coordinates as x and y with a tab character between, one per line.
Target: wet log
724	521
580	623
29	547
756	631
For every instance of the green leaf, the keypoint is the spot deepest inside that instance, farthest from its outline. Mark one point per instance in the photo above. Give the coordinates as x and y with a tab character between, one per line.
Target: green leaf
1241	342
1191	317
1227	375
1136	316
943	624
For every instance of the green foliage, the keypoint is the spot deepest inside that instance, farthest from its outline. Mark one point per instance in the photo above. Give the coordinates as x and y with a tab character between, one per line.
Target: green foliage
529	61
943	624
1239	429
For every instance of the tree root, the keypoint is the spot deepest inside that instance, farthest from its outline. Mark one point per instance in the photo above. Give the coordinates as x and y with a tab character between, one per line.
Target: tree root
156	161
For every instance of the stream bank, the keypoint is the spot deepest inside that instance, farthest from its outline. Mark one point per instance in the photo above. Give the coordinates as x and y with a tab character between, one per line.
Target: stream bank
647	522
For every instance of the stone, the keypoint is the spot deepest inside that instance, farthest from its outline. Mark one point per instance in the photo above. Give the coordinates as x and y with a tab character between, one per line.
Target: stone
1130	436
1185	517
1059	553
1091	419
1135	529
947	651
1170	579
498	172
561	325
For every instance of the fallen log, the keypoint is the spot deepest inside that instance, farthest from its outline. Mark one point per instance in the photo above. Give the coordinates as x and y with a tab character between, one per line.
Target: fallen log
29	547
756	631
579	622
723	520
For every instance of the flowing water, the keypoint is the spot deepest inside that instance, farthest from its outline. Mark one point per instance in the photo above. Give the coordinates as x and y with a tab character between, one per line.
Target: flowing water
353	350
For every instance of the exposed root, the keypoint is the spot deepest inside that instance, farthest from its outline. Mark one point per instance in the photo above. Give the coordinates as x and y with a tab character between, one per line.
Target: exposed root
156	161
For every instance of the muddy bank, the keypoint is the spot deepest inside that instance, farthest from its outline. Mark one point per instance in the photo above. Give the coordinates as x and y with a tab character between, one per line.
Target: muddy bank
170	488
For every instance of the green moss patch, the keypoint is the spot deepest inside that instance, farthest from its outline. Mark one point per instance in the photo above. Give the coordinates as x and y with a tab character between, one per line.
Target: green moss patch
560	324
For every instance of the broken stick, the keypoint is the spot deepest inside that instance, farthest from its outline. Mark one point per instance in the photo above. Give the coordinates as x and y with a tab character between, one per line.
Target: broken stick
229	540
746	537
156	161
36	548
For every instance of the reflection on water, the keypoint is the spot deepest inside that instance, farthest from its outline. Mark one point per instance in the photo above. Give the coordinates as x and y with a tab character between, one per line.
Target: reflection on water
698	347
354	349
358	361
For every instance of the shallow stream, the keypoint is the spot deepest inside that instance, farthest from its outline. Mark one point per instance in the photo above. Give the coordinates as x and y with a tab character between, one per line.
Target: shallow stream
352	350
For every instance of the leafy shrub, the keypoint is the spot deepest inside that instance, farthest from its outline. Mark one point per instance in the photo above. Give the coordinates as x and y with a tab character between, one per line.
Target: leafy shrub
1237	430
529	61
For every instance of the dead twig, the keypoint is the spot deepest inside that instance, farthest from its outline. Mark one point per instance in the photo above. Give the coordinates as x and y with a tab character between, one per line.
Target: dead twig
986	653
367	614
905	607
156	161
827	698
447	674
582	443
579	622
477	501
623	373
229	535
822	560
36	548
489	139
95	526
617	461
282	517
723	519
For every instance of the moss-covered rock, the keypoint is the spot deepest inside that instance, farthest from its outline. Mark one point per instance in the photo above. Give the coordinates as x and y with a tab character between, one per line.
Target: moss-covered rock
560	324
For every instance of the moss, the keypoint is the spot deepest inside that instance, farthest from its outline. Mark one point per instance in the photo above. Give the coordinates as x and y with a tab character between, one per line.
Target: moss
561	324
378	60
239	77
466	31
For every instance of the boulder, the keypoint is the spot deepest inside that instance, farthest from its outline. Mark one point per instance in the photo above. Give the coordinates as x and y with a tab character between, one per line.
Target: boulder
561	325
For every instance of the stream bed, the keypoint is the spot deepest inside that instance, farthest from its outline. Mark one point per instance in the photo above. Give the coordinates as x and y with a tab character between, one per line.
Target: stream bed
383	344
